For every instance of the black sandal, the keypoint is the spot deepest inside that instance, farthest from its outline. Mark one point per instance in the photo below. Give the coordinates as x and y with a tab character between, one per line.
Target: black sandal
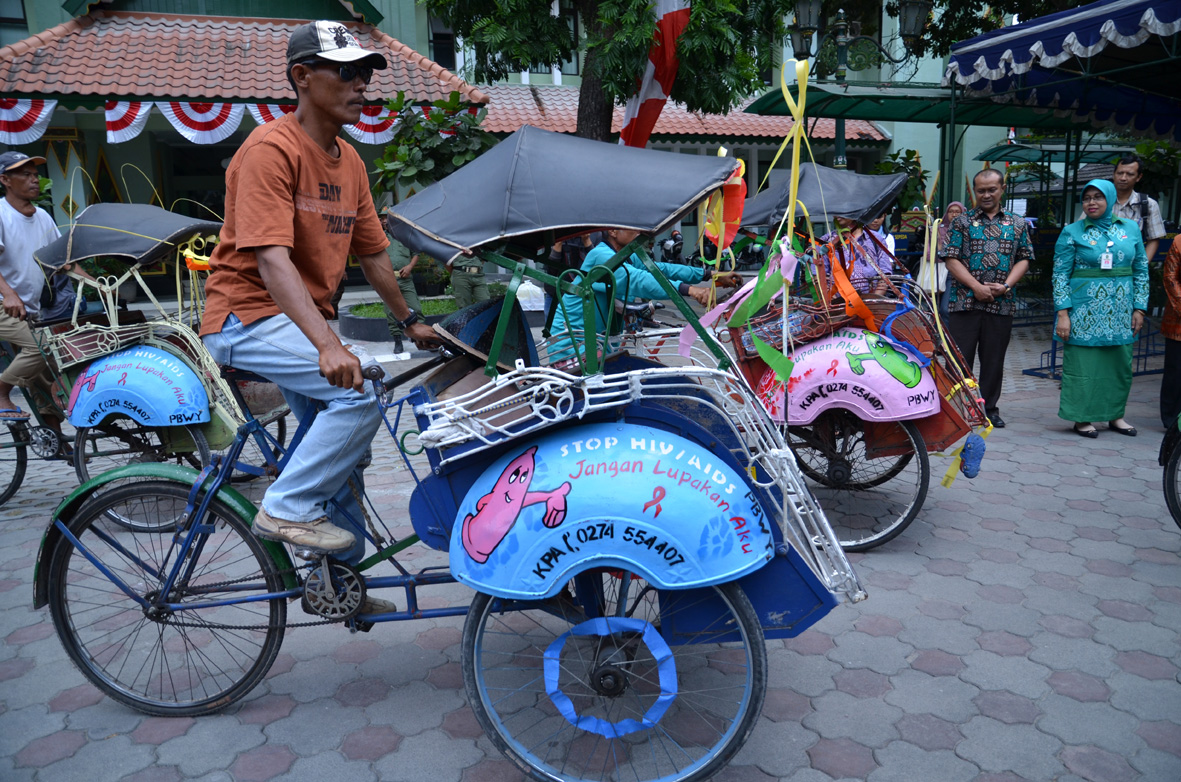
1128	432
1091	433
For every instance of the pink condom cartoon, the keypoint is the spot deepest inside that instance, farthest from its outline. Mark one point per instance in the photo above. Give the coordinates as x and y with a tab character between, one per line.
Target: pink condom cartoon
498	510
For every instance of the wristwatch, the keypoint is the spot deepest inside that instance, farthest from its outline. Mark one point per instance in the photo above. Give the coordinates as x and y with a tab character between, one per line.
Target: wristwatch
411	319
1008	287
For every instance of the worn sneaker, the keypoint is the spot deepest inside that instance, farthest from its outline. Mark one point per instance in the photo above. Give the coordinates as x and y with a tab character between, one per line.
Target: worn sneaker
318	535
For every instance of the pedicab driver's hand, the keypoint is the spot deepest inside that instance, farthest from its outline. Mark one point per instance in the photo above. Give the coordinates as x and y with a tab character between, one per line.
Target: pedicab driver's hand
423	336
341	368
13	306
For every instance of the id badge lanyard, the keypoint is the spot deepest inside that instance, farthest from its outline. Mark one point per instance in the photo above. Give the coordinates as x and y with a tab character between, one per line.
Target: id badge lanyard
1106	258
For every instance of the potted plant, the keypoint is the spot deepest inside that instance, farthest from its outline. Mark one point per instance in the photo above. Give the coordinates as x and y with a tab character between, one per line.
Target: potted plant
430	276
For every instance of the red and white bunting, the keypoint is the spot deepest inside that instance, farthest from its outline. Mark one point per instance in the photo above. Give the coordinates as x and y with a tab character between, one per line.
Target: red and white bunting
269	112
126	119
643	108
203	123
23	121
376	125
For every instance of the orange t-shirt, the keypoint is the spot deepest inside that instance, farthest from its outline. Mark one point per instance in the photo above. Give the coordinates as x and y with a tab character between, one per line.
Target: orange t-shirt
283	189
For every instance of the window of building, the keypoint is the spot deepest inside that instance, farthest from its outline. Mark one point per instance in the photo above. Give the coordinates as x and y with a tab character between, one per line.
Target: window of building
567	12
12	12
442	45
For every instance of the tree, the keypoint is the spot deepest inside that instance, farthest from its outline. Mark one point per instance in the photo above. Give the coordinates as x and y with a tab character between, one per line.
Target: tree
724	51
429	143
959	20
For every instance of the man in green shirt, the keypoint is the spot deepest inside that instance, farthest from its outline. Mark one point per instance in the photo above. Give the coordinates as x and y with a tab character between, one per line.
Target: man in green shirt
403	264
467	281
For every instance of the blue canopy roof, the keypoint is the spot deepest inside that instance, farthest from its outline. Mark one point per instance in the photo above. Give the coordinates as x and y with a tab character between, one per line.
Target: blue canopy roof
1111	63
1093	31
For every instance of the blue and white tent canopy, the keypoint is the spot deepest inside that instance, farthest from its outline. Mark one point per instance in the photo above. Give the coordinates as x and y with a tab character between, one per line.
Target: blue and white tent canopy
1061	40
1110	63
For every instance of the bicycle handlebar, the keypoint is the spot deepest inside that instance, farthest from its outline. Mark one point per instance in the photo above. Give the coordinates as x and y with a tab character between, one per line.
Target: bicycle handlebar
413	372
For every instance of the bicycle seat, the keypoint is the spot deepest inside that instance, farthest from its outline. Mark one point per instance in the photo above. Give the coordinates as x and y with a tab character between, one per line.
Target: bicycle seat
235	375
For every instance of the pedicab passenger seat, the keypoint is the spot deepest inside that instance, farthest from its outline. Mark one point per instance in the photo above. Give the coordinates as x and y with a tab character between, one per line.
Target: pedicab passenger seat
463	406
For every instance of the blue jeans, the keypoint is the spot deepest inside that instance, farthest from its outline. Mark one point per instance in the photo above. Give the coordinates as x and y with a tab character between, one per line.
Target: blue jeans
338	438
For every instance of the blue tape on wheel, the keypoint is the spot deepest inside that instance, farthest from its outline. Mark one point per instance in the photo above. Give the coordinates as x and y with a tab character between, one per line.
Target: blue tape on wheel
607	626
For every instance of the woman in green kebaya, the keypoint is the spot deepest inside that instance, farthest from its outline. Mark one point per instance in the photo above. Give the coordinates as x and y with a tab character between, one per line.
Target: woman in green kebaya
1101	294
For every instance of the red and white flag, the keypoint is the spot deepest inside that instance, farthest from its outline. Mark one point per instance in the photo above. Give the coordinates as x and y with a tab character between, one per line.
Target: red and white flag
126	119
643	108
376	125
23	121
203	123
269	112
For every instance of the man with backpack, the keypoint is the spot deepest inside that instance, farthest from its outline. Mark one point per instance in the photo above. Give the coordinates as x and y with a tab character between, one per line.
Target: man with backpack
1141	209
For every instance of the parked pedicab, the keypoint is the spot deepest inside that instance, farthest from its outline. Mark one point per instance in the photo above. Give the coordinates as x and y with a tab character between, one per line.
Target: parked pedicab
877	383
135	388
633	533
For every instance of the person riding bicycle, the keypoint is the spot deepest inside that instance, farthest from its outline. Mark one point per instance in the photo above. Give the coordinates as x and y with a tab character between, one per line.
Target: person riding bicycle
632	280
24	228
297	204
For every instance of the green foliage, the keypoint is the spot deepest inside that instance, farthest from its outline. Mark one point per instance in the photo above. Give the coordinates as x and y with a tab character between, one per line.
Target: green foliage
429	270
907	162
959	20
1161	163
45	200
418	155
724	50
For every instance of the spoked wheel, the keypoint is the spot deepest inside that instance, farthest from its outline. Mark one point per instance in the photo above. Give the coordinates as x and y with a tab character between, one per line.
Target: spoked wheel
120	441
870	491
14	458
615	680
1173	483
161	660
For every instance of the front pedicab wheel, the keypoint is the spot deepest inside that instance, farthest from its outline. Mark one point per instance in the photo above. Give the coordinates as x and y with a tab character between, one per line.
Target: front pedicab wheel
14	458
869	499
569	697
165	661
1172	481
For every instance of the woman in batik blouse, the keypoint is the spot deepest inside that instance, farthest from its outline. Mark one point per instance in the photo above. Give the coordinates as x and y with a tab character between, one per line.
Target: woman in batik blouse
1101	295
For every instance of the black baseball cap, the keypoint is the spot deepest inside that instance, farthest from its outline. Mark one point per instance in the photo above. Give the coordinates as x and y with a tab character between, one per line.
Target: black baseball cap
328	40
13	159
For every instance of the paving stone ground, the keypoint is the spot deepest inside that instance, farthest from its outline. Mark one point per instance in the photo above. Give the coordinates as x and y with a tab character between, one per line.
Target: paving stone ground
1025	627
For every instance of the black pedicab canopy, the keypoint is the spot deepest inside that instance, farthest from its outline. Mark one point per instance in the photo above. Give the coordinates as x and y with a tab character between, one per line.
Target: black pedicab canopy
138	233
536	182
827	193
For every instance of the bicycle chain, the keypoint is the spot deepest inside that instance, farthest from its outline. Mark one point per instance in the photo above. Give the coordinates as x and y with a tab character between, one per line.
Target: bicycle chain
267	626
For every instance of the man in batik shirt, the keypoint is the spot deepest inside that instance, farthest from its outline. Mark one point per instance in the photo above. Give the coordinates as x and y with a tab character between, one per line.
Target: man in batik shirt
988	252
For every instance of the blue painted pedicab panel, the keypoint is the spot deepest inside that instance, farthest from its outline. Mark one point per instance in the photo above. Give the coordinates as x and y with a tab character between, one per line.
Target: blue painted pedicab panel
608	495
151	386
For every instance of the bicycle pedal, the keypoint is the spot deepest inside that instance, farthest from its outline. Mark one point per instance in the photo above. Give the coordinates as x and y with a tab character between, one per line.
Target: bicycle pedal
308	555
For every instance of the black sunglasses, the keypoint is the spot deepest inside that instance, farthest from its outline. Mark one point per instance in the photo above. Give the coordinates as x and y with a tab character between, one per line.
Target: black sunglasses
346	70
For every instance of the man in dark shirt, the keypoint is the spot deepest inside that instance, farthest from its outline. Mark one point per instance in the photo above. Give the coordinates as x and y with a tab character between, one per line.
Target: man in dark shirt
988	252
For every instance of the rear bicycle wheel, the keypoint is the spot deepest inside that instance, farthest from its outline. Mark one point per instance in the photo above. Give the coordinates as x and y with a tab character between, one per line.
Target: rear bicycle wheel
1172	480
14	458
159	660
869	499
119	441
567	696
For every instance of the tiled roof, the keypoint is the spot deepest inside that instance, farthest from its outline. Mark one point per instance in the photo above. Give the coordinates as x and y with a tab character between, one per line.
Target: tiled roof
131	55
556	108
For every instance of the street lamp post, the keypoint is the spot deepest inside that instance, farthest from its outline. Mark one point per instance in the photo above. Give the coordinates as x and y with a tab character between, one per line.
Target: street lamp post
912	17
